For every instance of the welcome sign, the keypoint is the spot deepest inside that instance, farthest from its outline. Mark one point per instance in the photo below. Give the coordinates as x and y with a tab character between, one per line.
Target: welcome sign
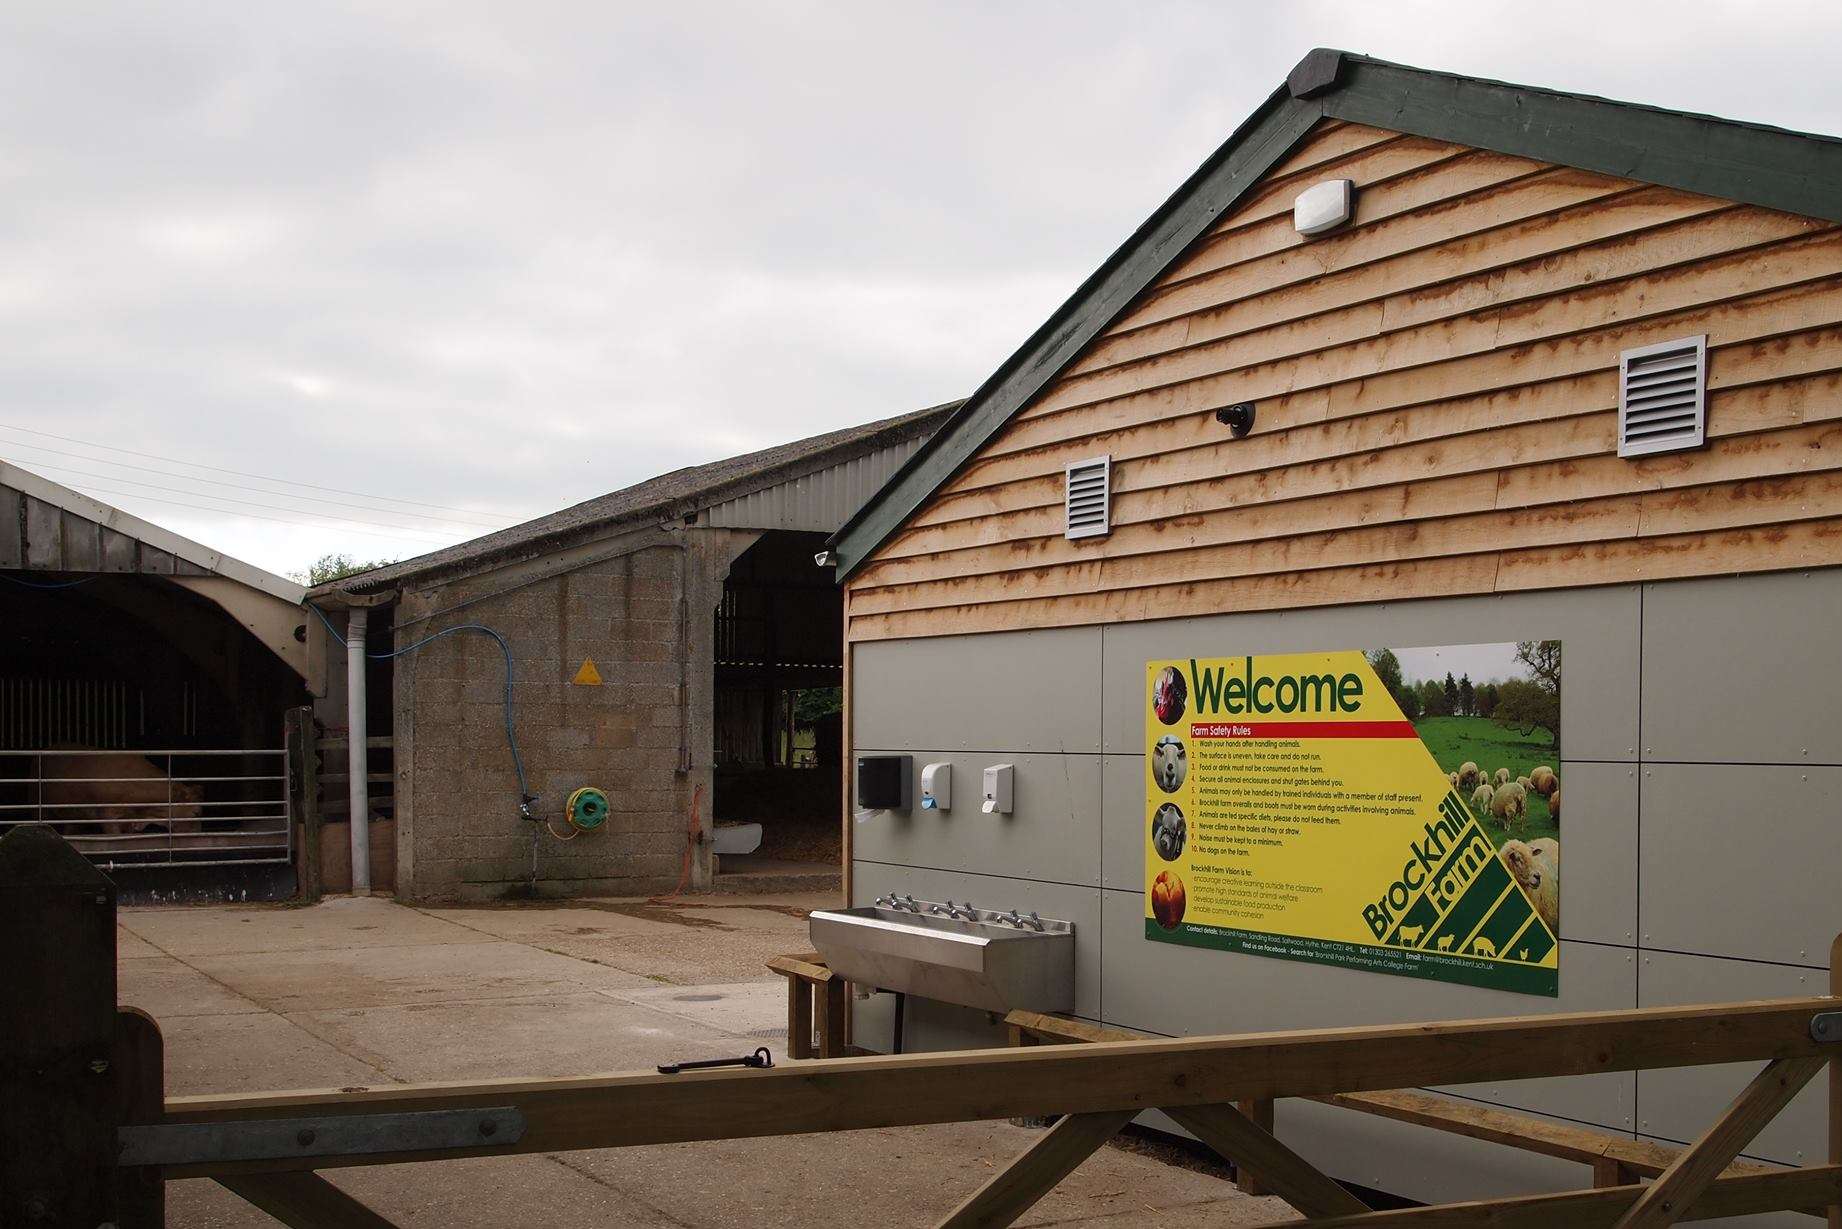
1394	810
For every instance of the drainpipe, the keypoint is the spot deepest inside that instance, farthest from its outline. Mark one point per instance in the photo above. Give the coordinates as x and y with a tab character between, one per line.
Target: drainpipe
358	761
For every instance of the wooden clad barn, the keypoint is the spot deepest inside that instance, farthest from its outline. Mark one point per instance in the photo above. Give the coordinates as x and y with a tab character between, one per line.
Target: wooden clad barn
1567	371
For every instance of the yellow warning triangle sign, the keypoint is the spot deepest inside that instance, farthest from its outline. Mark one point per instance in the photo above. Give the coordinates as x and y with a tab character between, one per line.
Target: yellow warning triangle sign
587	676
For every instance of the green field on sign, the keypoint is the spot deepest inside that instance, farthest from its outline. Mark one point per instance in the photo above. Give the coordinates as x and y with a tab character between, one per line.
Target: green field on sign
1454	740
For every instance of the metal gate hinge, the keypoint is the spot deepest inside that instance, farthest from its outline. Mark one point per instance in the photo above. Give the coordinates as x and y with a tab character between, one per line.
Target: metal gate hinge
270	1139
1826	1026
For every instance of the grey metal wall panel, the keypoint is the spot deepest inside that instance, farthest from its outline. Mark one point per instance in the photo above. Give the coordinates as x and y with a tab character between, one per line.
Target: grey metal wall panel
1078	905
1053	832
1225	992
1739	860
1599	848
1744	669
1014	691
1598	629
1122	835
1679	1104
44	535
12	528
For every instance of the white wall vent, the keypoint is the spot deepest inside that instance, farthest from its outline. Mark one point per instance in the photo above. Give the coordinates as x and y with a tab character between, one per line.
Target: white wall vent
1087	497
1663	397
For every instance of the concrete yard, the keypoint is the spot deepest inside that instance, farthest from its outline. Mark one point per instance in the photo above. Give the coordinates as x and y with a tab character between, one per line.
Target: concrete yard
369	992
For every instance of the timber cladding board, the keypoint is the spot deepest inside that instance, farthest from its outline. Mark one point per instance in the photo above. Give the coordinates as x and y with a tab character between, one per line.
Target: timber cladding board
1437	397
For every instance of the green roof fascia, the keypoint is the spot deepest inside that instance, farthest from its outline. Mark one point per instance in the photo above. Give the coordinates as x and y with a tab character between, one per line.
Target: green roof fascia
1750	163
1238	165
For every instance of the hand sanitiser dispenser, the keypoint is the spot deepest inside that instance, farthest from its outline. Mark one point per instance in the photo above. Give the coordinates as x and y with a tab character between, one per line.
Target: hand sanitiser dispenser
937	787
997	790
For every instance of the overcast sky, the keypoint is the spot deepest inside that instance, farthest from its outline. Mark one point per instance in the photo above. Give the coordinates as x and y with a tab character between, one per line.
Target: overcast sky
501	258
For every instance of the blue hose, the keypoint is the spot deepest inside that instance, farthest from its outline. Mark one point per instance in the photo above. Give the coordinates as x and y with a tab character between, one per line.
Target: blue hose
526	797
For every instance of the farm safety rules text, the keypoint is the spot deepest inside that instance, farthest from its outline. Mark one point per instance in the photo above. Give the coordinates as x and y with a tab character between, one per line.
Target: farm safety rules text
1293	811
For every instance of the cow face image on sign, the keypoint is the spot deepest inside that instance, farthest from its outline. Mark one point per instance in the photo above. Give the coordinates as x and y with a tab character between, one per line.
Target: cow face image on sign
1168	832
1170	763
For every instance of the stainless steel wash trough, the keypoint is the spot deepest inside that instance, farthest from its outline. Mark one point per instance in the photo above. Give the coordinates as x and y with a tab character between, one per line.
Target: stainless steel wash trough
953	953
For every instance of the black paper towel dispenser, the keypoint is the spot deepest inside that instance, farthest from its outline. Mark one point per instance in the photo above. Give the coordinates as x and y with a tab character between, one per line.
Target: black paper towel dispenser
884	782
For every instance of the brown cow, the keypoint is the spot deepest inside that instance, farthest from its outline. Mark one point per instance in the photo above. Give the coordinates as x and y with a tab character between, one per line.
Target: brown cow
115	788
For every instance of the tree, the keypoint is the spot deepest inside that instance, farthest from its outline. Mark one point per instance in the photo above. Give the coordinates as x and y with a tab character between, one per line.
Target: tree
1451	694
1487	699
1432	700
1535	702
1467	697
1387	668
328	568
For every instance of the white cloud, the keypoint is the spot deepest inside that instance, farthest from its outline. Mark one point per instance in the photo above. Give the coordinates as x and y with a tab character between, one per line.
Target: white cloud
512	257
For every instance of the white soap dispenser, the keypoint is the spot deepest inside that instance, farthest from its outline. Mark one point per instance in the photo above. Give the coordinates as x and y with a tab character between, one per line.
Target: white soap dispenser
998	790
937	787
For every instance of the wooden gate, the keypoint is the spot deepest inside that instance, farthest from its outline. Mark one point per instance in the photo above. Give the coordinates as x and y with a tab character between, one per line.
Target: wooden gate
88	1138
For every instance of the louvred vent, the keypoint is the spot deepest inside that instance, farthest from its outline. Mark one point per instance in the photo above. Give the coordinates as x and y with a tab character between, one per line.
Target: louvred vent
1663	397
1087	497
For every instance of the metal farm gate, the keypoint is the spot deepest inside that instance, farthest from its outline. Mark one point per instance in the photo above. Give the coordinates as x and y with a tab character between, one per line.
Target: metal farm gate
225	806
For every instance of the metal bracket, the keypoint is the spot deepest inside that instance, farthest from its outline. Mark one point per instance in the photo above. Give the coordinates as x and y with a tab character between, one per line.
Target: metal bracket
1826	1026
271	1139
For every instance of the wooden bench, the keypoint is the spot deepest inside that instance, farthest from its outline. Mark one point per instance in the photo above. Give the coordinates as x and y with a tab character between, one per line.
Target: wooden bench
814	994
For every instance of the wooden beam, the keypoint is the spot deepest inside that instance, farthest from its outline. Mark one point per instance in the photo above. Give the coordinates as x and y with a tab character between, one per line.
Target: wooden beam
958	1086
1015	1190
1262	1115
1743	1195
799	1018
1758	1103
305	1200
1282	1171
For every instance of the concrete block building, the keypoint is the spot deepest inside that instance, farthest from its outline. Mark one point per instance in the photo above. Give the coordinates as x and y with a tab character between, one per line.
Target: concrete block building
1416	366
656	638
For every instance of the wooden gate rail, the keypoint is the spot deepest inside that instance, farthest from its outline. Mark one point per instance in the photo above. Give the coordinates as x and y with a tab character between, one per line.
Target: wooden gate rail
1615	1160
84	1096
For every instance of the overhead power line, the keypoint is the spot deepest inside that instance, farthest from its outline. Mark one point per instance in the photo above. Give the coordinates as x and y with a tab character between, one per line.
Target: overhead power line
150	456
414	530
400	536
234	486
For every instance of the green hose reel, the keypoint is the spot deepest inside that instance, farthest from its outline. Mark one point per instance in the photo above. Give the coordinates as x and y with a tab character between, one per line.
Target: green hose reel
588	809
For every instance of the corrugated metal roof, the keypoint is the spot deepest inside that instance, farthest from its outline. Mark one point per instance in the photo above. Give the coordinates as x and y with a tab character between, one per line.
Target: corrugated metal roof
819	501
728	483
47	527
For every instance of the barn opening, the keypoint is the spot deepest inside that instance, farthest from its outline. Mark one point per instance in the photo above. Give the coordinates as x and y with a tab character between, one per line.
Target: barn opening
779	699
145	687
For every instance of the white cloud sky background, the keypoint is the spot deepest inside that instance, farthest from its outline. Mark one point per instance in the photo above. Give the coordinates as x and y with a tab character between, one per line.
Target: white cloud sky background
505	258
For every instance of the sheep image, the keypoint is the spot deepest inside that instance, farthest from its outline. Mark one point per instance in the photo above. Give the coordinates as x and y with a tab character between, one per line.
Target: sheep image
1453	778
1468	775
1502	777
1480	800
1444	942
1510	804
1543	781
1554	806
1539	874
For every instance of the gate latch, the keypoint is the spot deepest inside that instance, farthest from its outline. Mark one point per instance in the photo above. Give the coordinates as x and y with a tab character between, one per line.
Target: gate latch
1826	1026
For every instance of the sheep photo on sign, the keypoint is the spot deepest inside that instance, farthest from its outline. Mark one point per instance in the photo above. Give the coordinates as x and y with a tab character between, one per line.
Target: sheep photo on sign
1491	716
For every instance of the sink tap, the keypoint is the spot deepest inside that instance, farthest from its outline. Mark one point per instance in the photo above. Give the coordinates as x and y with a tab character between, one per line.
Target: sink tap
949	909
972	915
910	904
1013	917
1036	921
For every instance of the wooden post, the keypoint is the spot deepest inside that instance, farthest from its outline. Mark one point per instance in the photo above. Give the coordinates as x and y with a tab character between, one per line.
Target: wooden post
304	751
831	1016
140	1086
57	1034
799	1017
1260	1113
